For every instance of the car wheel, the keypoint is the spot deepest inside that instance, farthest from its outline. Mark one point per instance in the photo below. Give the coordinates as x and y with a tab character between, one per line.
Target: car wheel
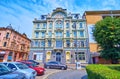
62	68
48	67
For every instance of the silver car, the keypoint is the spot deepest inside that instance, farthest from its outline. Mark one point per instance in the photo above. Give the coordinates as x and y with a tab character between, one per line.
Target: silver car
6	73
17	66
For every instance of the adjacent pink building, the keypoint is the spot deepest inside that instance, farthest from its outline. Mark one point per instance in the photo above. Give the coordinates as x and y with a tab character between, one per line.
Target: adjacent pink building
13	45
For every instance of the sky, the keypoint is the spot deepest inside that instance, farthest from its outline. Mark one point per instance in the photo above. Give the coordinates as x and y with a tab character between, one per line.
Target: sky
21	13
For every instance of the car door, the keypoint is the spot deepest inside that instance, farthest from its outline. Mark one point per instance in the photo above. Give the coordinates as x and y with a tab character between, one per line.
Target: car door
55	65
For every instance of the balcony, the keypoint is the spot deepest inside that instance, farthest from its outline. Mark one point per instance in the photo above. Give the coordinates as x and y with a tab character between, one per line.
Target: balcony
58	48
58	29
59	37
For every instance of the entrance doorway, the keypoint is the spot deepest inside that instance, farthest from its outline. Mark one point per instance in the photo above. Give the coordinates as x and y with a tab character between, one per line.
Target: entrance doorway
58	56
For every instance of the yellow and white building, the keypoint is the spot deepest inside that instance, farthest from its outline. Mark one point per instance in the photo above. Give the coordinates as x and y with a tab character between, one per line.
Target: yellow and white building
60	36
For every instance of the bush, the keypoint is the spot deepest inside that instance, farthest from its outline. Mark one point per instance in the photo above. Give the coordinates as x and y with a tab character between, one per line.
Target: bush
114	67
101	72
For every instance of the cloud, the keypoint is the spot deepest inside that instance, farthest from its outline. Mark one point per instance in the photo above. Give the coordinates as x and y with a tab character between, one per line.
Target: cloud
21	13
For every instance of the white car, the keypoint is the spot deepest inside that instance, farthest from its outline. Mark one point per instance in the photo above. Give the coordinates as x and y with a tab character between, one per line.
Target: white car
20	67
6	73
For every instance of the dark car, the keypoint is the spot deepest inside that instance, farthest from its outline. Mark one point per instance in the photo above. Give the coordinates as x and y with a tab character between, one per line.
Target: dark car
55	64
33	61
6	73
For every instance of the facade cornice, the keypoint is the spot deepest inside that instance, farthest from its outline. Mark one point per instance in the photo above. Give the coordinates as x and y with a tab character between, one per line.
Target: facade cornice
22	35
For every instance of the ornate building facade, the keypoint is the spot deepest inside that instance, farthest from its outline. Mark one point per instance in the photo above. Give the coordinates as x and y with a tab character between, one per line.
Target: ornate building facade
13	45
60	36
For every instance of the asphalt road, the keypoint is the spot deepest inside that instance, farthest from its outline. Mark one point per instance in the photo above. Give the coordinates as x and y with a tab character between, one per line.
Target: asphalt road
47	73
69	74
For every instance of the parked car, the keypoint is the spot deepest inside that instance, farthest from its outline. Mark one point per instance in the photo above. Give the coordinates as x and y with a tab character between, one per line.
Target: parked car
33	61
55	64
38	69
17	66
6	73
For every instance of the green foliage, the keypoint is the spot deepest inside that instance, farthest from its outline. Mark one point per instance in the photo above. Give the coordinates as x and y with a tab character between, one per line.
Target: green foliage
107	35
102	72
114	67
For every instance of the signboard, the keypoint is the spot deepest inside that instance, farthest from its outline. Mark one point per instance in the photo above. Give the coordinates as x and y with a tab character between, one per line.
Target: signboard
2	52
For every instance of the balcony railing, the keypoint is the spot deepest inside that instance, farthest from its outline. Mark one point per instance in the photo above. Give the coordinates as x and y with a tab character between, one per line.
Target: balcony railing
58	28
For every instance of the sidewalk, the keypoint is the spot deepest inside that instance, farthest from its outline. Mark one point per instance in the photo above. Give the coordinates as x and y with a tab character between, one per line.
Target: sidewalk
73	66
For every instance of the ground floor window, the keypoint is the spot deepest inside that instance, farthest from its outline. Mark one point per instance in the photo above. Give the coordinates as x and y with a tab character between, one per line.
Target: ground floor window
80	55
10	56
1	57
38	56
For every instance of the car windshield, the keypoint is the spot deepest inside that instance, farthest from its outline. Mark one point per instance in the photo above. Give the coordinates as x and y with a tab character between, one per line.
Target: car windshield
22	66
4	70
31	64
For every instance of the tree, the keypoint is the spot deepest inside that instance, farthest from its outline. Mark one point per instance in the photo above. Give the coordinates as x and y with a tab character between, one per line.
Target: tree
107	35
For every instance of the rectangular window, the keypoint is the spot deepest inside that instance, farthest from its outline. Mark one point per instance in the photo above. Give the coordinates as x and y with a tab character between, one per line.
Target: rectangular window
74	25
36	43
75	43
82	44
38	26
50	25
38	56
67	25
59	43
81	33
7	35
44	25
68	43
81	55
1	56
42	43
49	43
67	33
36	34
5	43
50	34
81	25
43	34
92	29
10	56
58	34
74	33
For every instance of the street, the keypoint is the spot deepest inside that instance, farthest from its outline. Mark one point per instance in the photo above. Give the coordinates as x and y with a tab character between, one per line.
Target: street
47	73
70	73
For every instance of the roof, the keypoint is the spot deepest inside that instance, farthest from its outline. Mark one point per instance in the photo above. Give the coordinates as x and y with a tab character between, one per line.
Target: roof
102	12
10	28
